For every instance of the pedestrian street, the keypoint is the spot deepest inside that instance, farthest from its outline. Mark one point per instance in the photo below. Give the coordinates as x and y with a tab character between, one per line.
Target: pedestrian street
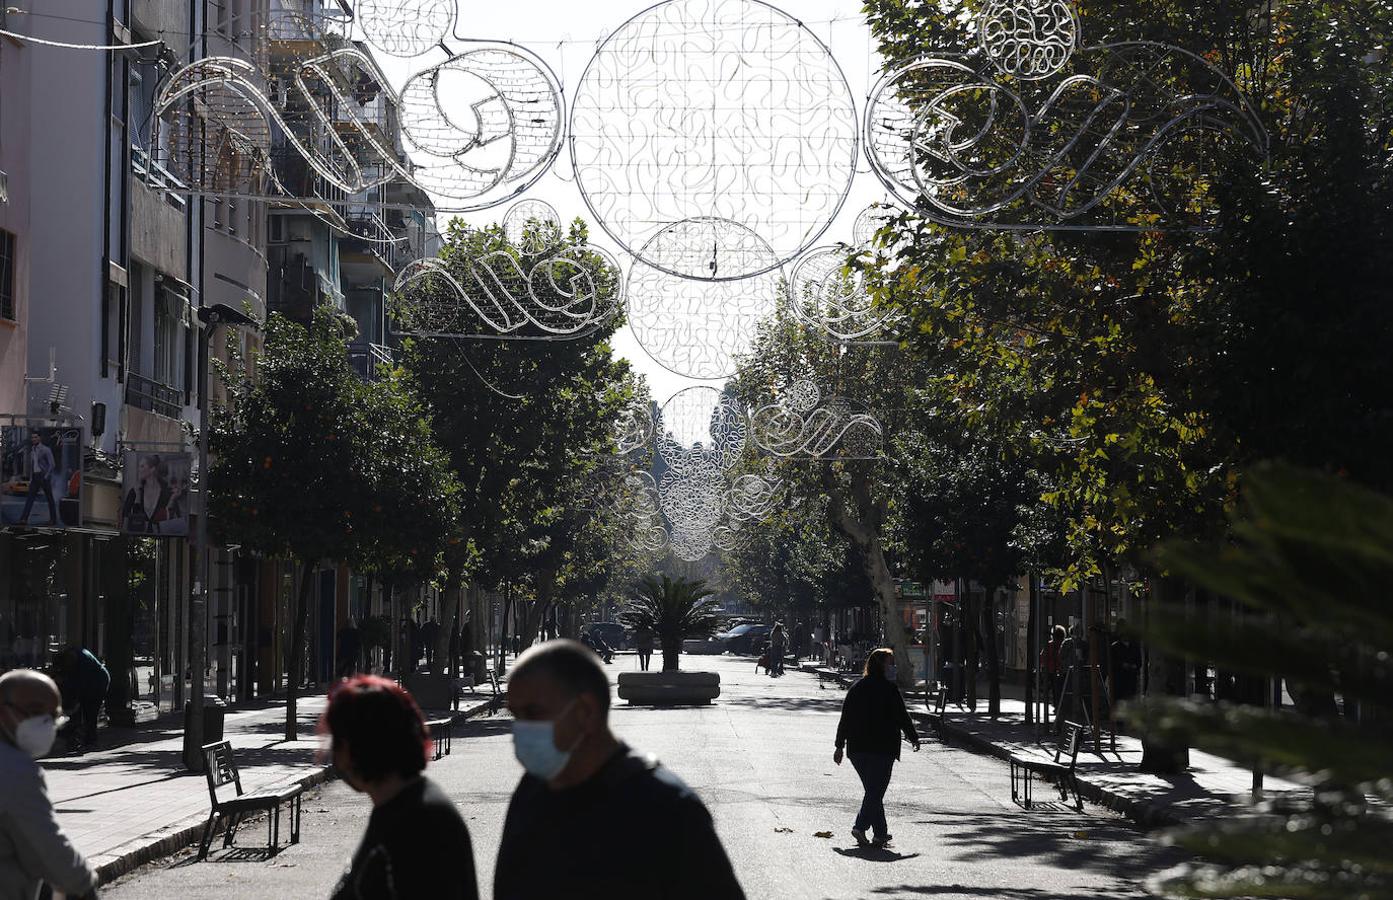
760	757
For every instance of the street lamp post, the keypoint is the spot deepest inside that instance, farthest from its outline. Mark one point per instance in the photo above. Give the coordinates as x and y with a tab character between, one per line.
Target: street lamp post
210	317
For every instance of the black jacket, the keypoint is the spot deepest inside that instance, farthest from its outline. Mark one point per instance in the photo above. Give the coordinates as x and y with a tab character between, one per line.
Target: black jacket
416	845
556	843
874	717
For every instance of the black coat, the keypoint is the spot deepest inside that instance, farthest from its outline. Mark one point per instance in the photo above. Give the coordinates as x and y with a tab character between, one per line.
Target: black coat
874	717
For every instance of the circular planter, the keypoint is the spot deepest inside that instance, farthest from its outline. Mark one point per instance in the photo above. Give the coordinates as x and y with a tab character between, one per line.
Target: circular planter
669	688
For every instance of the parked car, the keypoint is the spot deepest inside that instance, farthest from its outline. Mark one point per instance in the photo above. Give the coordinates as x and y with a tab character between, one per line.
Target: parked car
613	634
703	646
746	640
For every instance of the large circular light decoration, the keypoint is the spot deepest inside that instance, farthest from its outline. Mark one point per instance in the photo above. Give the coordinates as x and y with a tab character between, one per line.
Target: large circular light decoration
716	109
405	28
700	328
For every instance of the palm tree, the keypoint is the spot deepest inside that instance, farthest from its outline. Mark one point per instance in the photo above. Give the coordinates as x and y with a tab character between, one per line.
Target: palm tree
674	609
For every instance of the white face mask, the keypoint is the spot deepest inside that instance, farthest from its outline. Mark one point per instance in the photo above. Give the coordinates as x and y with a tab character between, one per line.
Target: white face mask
35	735
891	672
534	745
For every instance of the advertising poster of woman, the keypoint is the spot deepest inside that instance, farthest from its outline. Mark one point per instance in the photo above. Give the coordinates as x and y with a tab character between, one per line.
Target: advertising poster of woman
154	490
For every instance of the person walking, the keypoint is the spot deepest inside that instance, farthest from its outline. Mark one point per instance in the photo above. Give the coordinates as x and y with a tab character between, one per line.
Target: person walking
416	843
1050	665
40	465
873	718
34	851
350	649
643	643
778	645
85	684
580	782
800	641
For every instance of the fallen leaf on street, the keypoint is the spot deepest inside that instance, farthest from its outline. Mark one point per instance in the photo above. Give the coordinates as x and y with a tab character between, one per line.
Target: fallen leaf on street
783	830
822	834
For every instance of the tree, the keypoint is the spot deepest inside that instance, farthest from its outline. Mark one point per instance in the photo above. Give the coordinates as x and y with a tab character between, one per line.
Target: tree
1146	372
311	463
526	424
1309	559
968	507
858	492
674	609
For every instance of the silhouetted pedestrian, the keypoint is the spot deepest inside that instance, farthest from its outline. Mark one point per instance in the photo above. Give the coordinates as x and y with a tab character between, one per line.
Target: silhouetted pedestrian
873	718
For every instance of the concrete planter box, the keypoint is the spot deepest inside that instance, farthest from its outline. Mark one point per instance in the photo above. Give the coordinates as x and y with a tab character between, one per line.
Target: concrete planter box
669	688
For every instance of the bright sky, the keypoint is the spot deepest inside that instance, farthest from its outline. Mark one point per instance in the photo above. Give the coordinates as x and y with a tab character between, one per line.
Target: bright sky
565	34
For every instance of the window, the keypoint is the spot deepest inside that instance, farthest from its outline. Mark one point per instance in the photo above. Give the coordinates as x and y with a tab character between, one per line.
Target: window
169	339
7	275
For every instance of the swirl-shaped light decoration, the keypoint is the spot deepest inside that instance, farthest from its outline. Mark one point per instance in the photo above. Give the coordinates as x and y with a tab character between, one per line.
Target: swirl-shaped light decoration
720	109
1027	145
1028	39
633	430
471	131
800	425
824	295
557	297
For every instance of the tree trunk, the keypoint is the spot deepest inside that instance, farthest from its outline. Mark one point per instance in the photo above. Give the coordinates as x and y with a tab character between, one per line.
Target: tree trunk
972	628
449	617
993	654
295	650
1032	651
863	529
671	655
503	629
1163	674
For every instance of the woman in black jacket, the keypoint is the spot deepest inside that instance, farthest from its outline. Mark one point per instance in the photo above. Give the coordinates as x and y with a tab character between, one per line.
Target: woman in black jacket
873	718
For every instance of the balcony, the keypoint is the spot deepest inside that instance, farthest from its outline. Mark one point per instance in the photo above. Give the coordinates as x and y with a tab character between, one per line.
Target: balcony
370	361
151	396
292	284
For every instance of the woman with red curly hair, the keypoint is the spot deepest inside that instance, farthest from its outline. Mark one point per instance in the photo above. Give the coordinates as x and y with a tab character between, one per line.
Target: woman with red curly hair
416	843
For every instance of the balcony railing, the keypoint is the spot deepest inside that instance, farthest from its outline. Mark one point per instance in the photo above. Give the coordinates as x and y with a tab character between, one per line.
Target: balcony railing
370	361
148	394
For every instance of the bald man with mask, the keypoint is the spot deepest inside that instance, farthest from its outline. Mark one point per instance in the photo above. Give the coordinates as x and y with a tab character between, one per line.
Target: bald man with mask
33	848
591	818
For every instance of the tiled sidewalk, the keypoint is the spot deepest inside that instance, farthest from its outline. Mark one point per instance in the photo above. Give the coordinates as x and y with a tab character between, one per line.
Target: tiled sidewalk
134	802
1212	787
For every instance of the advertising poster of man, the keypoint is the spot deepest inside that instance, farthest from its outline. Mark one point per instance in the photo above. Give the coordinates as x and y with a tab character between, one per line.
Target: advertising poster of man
155	493
40	476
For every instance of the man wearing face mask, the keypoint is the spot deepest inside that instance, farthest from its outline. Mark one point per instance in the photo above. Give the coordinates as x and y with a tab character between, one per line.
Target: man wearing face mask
584	789
873	718
33	848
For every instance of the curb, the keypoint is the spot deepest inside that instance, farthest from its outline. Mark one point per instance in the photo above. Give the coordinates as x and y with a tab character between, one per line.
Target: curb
167	841
1146	813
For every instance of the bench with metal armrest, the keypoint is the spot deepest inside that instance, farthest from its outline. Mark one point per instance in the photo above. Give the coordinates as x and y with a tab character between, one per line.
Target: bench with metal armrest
1059	770
936	712
221	769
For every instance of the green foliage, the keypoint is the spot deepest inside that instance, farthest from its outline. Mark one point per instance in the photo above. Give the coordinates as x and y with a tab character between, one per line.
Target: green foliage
672	608
526	426
311	463
795	559
1311	562
1142	373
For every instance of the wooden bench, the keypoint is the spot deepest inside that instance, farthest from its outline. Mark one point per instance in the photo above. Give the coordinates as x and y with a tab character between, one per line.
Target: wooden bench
221	768
442	733
1059	770
937	710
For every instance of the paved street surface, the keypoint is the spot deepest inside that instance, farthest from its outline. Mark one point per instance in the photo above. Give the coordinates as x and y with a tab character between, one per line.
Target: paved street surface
761	759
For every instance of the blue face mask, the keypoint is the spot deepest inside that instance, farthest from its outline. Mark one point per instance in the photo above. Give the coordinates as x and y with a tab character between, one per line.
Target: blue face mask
534	745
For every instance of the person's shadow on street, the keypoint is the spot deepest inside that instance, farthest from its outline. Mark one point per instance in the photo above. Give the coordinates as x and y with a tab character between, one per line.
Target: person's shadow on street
874	854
